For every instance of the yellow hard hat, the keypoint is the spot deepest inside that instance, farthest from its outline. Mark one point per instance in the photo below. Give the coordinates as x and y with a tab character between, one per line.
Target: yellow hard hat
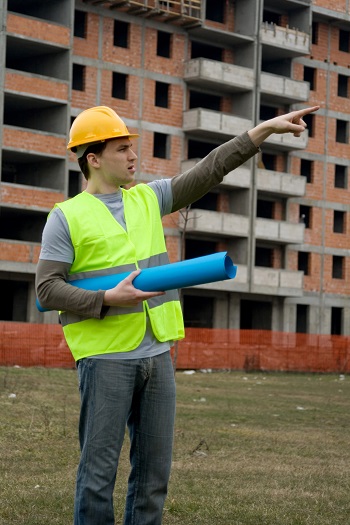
96	125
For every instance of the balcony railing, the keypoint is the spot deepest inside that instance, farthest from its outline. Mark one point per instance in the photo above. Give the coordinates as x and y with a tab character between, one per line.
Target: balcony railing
283	88
277	282
269	281
209	123
287	141
202	222
216	223
278	183
279	231
290	41
205	72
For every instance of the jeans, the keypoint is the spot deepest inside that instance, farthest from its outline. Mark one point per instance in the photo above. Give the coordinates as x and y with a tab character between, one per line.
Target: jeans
138	393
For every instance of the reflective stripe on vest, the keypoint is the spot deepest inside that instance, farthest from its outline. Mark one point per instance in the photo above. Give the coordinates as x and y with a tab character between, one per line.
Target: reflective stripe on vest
103	247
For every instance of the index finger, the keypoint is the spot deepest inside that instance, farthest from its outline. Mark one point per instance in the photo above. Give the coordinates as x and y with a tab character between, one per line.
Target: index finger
302	112
132	275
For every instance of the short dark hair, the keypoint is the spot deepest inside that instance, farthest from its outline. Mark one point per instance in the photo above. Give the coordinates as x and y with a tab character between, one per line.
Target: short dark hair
83	162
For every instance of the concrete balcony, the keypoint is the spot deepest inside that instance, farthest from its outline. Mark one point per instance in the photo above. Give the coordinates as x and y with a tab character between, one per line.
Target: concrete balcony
277	282
204	222
238	178
282	184
281	232
266	281
207	123
283	42
205	73
283	89
209	31
287	141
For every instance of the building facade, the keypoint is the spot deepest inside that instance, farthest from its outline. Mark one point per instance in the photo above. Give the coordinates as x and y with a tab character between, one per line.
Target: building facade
188	75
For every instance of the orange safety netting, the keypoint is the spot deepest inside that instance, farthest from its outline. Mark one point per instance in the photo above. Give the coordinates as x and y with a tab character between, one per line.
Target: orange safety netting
27	344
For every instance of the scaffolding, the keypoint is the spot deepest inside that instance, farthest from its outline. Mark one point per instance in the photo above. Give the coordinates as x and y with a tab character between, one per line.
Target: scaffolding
187	13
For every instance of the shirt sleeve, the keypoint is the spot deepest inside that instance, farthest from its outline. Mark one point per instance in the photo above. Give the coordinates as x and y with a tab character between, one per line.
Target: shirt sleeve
56	257
56	242
162	188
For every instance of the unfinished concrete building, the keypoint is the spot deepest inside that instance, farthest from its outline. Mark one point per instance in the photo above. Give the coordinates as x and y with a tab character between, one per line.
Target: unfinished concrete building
189	75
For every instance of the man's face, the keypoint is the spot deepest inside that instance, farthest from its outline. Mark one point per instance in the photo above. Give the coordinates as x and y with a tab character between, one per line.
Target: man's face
116	164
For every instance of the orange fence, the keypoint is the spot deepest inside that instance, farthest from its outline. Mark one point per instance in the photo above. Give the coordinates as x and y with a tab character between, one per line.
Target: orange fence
26	344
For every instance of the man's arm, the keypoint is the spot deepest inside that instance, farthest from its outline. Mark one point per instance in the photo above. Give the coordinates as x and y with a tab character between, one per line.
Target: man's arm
210	171
54	293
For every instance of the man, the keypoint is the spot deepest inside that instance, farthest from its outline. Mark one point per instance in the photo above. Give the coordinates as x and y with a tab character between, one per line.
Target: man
121	337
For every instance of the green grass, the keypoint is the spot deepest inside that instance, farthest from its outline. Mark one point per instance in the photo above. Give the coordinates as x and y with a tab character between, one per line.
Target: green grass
250	449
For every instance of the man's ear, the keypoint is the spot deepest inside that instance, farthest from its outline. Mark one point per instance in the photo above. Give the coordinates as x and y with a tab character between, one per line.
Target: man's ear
93	160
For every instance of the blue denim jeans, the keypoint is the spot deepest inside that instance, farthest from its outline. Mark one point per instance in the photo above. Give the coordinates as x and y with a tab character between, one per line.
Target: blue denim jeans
139	394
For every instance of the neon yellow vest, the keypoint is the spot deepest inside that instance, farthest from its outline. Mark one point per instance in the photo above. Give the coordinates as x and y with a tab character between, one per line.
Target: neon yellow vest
103	247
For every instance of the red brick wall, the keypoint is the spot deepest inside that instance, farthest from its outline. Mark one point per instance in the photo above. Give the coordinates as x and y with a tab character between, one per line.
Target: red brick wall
88	97
88	47
312	282
166	66
324	143
130	56
29	197
160	167
40	86
128	108
40	30
173	247
334	5
19	252
171	116
34	141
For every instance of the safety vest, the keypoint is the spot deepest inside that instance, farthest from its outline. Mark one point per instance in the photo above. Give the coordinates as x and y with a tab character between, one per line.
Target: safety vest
103	247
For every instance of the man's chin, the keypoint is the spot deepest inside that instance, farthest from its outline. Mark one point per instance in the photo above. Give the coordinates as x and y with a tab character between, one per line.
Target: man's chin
128	183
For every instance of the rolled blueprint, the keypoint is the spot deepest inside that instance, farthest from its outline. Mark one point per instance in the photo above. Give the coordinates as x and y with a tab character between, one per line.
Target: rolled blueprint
201	270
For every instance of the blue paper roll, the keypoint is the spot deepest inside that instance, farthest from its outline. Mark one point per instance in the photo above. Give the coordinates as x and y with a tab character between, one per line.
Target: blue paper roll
201	270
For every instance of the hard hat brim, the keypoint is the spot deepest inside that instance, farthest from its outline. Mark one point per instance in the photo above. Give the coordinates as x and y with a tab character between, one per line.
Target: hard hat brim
75	144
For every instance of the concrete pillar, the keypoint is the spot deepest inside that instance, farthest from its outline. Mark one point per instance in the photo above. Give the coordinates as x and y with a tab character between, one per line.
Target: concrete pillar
289	317
234	311
2	69
221	312
319	320
277	314
346	321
